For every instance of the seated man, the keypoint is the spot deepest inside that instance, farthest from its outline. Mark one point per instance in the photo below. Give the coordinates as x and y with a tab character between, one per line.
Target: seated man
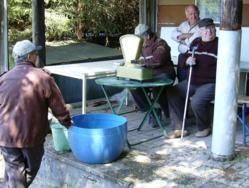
156	56
184	34
202	85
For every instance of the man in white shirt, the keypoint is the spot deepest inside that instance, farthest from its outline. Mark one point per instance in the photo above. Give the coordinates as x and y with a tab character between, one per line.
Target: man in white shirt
184	34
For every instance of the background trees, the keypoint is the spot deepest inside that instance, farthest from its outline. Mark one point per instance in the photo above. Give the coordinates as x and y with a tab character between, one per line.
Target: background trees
209	9
76	19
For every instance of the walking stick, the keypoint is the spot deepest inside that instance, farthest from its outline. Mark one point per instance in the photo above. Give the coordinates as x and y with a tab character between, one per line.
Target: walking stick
187	94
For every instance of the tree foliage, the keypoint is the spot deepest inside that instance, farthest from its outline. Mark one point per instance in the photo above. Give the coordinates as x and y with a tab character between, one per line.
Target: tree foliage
100	15
19	19
77	16
19	14
209	8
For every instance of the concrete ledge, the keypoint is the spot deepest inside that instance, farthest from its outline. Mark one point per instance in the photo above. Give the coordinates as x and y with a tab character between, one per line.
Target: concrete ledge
62	170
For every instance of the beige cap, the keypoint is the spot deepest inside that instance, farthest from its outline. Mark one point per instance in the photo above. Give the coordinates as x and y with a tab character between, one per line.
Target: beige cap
24	47
141	29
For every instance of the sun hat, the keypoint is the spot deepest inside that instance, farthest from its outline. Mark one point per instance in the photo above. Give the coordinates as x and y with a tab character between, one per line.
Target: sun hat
141	29
24	47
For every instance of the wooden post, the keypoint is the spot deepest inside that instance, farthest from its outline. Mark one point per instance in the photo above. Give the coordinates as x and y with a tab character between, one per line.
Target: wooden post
142	12
148	13
231	15
1	37
152	16
38	28
4	53
227	81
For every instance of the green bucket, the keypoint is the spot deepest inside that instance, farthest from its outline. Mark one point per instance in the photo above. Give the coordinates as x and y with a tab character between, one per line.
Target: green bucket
60	138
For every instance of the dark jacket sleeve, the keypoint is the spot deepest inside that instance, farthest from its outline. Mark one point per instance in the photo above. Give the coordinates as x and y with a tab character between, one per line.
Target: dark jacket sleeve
160	55
57	104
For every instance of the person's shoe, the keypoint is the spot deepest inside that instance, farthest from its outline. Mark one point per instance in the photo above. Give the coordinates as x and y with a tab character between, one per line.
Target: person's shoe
152	120
177	134
202	133
155	125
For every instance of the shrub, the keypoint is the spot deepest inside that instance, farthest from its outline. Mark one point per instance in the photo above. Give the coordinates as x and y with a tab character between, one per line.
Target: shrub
57	26
19	20
71	19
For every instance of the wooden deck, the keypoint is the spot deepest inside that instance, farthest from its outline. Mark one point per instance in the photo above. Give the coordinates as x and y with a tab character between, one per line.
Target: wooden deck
158	163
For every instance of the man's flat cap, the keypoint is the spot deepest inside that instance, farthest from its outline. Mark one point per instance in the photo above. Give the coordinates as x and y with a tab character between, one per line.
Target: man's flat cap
205	22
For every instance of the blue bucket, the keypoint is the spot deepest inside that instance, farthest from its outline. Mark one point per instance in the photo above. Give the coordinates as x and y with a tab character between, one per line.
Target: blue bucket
97	138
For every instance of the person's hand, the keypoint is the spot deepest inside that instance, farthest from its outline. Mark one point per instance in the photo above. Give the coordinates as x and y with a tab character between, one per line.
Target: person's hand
69	107
139	62
184	36
69	123
191	61
46	71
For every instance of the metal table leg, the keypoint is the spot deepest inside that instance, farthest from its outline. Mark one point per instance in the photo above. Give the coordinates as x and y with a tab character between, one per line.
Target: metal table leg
84	92
112	109
109	102
152	109
151	103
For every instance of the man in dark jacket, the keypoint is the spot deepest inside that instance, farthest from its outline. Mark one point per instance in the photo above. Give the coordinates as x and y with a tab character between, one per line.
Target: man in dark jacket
155	56
26	93
202	87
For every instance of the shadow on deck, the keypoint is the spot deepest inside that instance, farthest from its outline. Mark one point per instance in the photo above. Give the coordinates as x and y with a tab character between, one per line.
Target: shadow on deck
159	163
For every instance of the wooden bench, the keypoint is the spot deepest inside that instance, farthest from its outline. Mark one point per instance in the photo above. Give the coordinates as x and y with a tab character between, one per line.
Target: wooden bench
244	101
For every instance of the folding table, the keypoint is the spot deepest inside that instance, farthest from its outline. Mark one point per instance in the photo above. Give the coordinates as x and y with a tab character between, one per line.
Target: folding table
131	84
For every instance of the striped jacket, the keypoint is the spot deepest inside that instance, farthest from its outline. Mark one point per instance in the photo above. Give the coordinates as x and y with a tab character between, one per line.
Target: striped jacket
206	60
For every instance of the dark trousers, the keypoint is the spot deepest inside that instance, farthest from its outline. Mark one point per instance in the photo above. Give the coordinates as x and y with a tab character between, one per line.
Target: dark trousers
142	103
21	165
200	103
140	98
181	70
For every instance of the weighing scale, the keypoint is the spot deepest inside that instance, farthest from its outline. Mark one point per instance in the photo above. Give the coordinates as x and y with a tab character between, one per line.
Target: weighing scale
131	47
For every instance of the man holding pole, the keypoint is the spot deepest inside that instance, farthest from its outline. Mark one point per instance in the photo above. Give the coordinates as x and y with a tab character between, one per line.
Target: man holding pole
202	58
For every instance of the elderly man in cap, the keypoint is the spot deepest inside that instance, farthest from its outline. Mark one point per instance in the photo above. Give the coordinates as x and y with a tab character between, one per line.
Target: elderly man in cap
184	35
26	93
202	82
155	56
